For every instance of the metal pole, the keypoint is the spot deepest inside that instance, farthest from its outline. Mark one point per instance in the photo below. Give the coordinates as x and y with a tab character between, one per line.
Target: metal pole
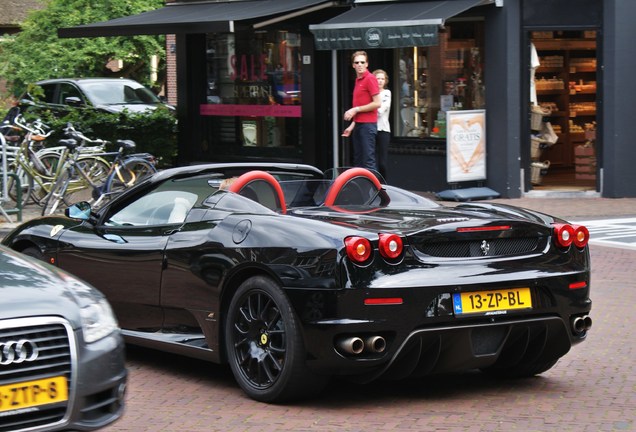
334	109
5	190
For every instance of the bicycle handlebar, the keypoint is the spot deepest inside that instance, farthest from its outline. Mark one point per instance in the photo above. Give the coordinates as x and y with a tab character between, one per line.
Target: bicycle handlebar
70	131
36	127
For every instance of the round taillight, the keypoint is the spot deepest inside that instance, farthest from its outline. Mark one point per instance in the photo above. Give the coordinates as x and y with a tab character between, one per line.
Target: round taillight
581	236
390	246
358	249
564	235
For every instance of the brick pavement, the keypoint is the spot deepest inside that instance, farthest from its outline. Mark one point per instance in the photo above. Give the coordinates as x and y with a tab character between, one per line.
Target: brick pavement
577	207
593	388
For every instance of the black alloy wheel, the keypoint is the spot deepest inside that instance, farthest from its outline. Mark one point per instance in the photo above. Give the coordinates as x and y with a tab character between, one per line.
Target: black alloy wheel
264	344
34	252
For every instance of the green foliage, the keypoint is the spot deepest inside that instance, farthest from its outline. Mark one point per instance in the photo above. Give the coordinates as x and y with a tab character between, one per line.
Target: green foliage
37	52
154	131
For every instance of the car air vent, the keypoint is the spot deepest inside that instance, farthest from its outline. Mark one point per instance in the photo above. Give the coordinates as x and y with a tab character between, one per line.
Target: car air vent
480	248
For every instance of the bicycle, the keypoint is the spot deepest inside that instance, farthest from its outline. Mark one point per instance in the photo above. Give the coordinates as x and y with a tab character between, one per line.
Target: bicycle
25	157
79	182
37	167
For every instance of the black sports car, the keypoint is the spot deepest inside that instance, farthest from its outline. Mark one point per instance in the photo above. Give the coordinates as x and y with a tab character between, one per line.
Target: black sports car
293	275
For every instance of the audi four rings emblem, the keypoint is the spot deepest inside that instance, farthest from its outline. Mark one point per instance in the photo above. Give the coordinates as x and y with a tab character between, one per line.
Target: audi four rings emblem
14	352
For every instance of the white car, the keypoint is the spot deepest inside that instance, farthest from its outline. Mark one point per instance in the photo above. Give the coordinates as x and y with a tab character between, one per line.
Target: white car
107	94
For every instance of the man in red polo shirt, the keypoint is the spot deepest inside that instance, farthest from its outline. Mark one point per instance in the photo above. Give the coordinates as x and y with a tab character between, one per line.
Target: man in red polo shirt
364	114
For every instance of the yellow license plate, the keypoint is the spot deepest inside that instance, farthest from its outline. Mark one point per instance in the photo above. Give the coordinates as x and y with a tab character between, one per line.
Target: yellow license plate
33	393
492	301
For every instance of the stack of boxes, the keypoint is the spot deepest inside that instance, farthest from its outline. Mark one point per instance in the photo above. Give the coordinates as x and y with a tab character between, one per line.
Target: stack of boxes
585	156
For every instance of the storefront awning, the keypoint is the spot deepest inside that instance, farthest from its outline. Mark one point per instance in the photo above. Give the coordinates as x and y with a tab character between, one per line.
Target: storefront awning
199	17
389	24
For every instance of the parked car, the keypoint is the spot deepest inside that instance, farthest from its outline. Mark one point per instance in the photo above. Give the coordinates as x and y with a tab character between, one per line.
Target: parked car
61	351
293	275
107	94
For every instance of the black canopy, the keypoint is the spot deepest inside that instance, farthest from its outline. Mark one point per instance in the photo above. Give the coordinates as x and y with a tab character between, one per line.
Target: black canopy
196	17
389	24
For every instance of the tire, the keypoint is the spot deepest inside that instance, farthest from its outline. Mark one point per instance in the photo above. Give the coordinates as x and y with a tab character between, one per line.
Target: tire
34	252
264	344
26	186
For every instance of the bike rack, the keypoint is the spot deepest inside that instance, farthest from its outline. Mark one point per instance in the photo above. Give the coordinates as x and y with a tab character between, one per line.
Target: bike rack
4	193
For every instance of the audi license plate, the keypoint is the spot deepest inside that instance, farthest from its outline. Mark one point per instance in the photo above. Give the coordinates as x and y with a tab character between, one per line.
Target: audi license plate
29	394
492	301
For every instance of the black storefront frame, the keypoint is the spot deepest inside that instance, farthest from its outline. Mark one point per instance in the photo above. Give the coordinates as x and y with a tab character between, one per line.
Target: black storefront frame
545	15
191	63
190	44
406	154
410	155
504	45
526	131
619	154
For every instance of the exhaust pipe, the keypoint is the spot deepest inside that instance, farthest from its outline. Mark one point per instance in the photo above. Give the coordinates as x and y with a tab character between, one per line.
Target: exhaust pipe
581	324
376	344
578	325
121	394
351	345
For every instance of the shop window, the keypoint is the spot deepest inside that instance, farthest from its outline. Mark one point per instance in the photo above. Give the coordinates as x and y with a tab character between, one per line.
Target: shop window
435	79
253	100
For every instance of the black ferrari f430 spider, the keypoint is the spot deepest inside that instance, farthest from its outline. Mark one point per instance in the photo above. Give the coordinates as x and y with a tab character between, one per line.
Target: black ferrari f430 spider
292	275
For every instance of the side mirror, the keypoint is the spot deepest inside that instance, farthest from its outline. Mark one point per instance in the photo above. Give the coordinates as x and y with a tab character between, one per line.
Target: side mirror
73	101
81	210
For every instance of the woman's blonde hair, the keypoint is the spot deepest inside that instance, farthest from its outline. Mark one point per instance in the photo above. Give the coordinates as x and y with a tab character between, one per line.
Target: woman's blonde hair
386	76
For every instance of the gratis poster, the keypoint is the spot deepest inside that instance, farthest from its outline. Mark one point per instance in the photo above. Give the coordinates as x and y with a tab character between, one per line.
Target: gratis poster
466	145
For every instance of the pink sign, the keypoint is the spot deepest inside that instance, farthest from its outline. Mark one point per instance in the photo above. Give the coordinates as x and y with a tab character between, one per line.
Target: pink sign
250	110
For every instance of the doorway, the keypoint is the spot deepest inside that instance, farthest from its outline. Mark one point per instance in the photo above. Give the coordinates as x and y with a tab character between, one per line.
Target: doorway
563	112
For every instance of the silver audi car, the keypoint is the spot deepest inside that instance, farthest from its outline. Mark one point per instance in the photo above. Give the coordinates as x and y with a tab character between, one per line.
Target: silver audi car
61	352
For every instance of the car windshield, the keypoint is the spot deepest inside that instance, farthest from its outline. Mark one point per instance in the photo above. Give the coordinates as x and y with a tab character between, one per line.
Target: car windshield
118	92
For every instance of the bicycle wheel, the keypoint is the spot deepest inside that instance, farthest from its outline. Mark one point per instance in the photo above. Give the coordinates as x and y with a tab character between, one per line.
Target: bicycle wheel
46	176
127	175
54	201
26	185
81	189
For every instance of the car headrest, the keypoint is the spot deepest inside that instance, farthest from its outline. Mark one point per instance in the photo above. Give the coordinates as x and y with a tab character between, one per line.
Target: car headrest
353	187
261	187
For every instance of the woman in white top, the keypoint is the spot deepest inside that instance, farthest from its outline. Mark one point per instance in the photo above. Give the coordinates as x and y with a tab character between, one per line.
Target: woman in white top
384	128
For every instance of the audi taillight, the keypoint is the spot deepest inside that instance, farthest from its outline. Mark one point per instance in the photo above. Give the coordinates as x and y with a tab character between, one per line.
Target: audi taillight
358	249
566	235
390	246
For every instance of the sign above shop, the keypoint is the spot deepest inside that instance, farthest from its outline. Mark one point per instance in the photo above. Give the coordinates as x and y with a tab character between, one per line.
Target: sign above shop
376	37
388	24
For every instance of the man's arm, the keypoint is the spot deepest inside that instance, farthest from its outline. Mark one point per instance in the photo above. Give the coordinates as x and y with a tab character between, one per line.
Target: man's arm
373	105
